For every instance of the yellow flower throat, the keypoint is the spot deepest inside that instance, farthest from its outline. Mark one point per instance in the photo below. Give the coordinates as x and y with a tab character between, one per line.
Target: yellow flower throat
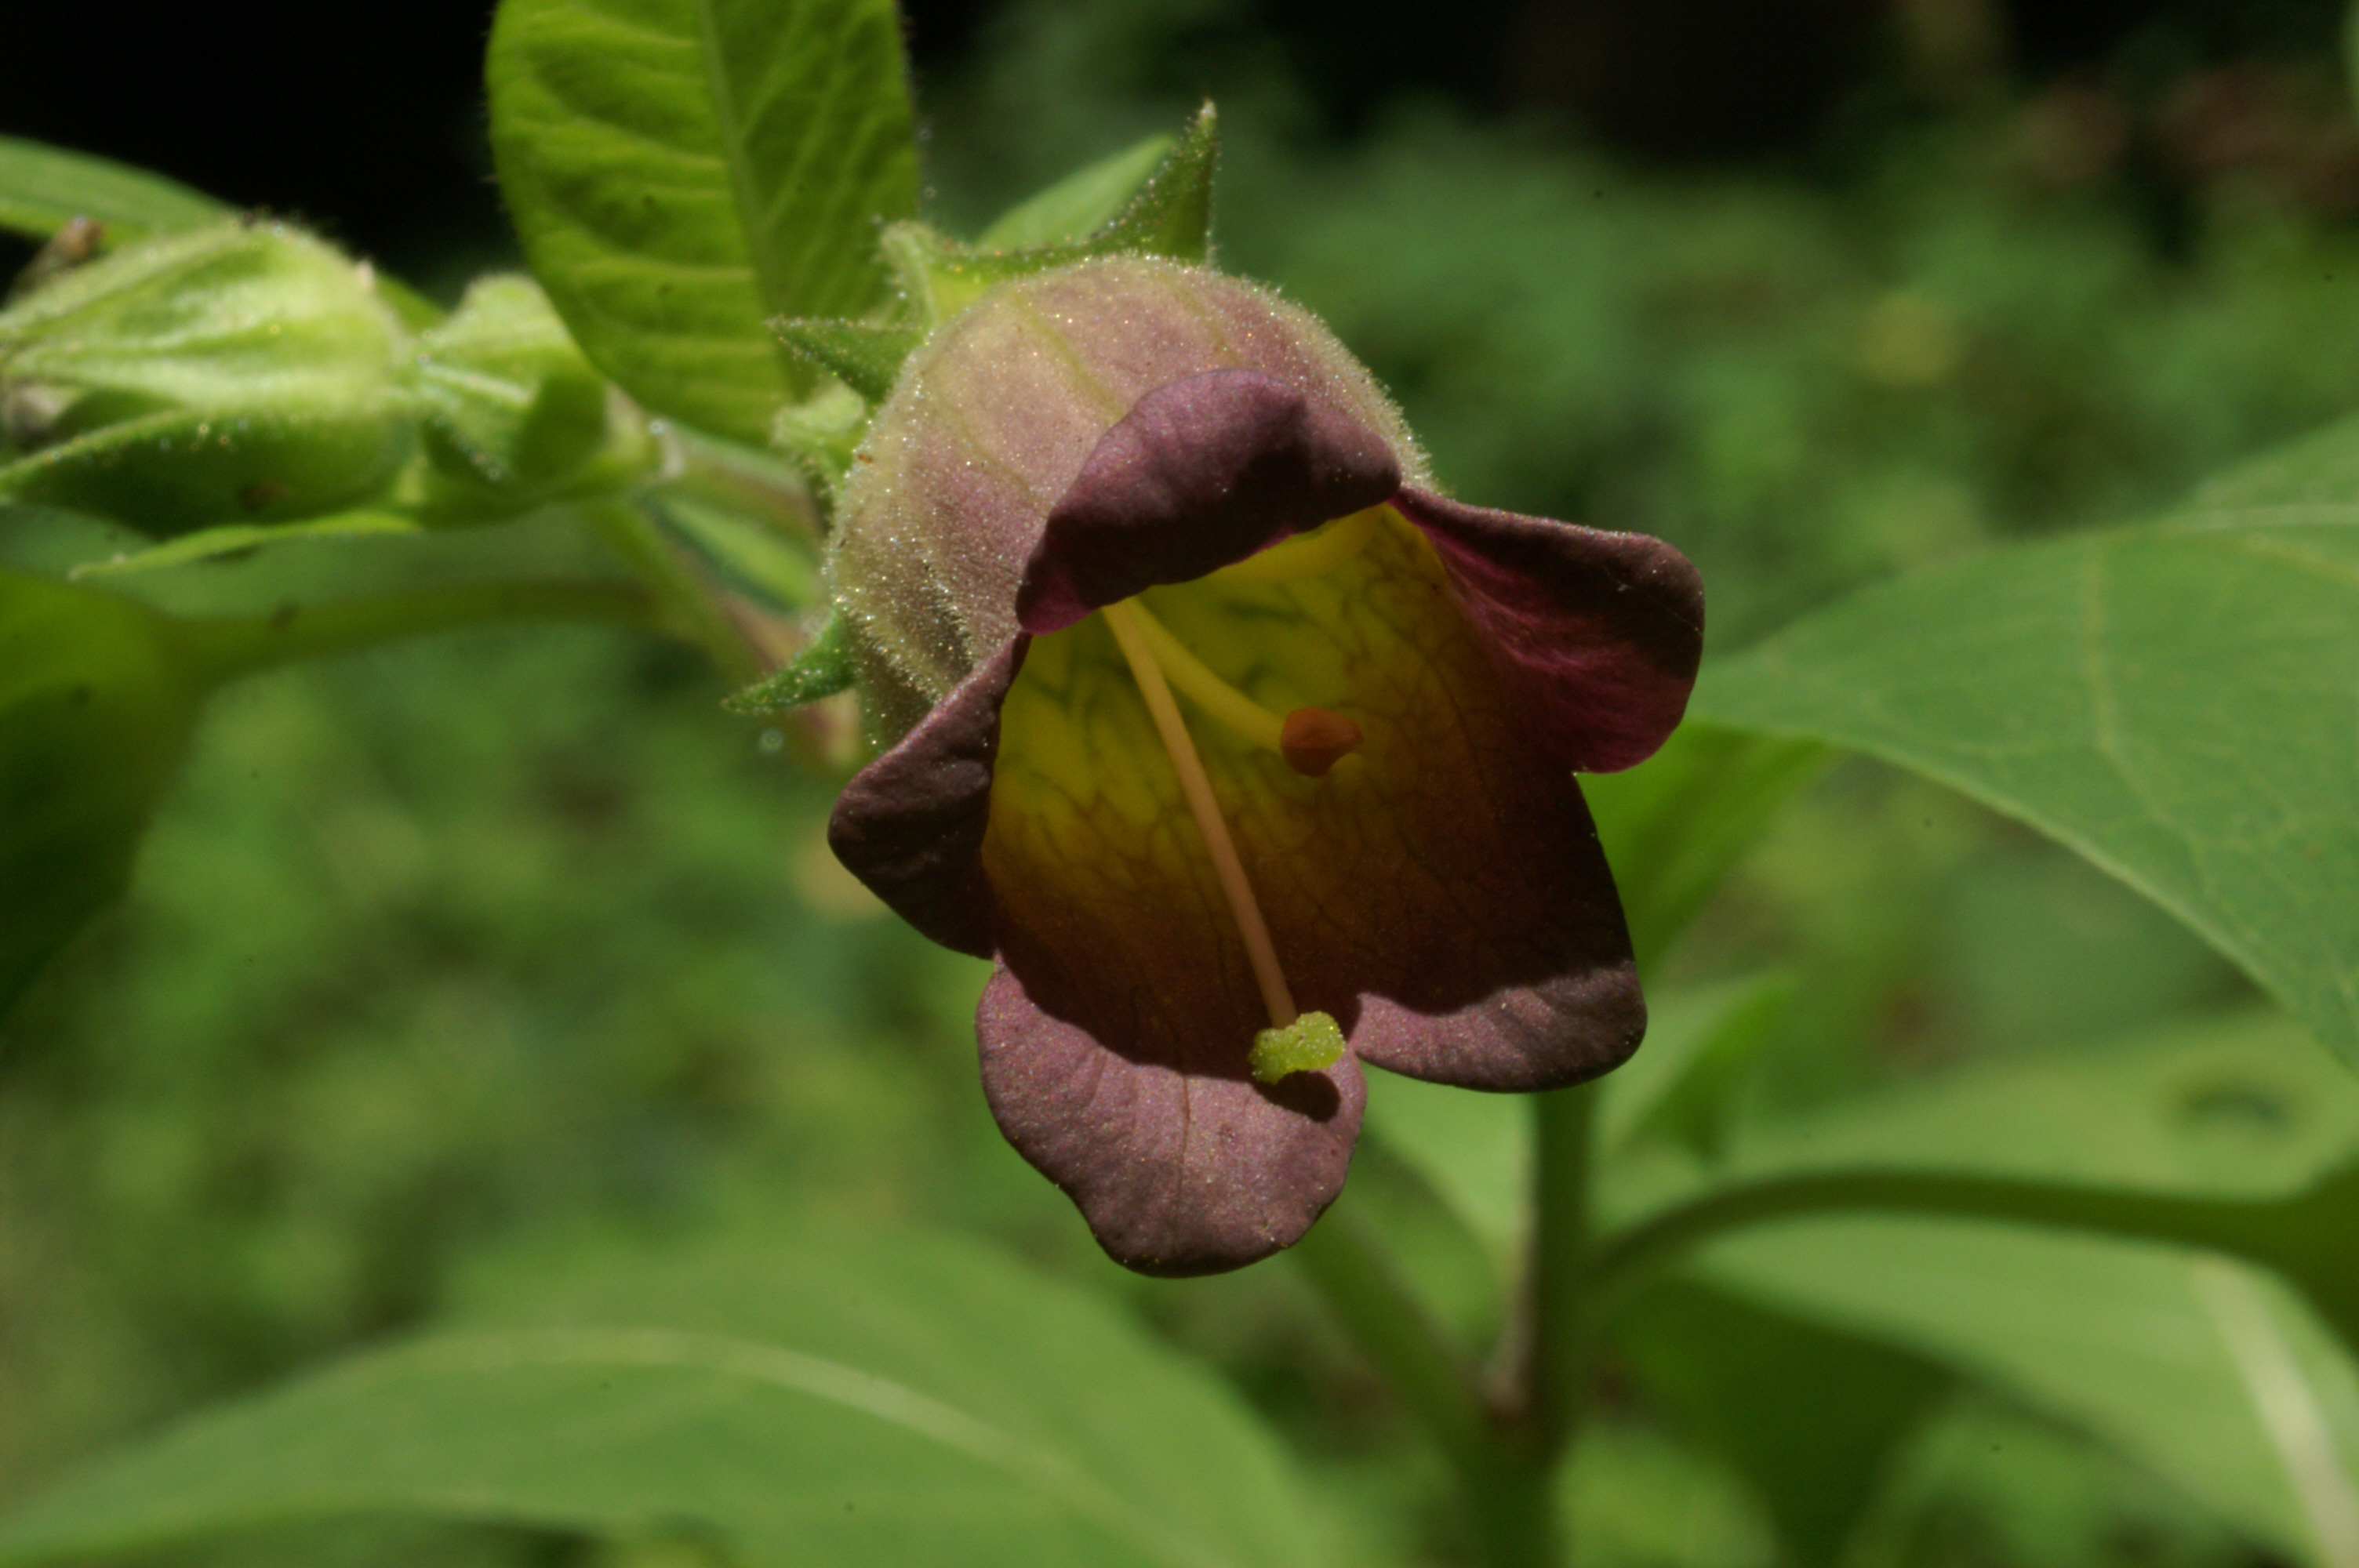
1312	741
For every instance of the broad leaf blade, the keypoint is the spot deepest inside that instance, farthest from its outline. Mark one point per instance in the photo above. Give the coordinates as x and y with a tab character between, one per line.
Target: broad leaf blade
682	171
1676	825
2180	704
869	1401
1807	1415
43	188
96	708
2155	1350
2152	1351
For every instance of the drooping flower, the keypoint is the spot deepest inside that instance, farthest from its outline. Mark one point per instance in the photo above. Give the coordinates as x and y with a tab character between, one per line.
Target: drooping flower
1247	755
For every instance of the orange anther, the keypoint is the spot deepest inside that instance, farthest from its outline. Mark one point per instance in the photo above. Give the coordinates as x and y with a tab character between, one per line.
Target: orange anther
1314	740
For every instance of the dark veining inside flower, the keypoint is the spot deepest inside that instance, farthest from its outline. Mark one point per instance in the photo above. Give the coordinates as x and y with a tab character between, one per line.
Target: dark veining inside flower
1388	846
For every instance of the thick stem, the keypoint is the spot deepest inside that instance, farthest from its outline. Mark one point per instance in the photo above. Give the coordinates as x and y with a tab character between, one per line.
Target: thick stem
1514	1495
1505	1492
227	646
688	603
742	481
1552	1381
2223	1225
1347	1265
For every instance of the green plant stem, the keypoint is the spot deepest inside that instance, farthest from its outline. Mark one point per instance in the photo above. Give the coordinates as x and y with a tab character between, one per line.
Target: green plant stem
1507	1494
688	601
743	481
225	647
1349	1268
1553	1381
2243	1227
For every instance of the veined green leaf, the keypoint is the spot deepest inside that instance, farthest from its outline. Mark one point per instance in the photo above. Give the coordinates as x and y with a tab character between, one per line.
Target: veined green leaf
1807	1414
682	171
96	708
839	1400
43	188
2202	1369
2178	703
1677	824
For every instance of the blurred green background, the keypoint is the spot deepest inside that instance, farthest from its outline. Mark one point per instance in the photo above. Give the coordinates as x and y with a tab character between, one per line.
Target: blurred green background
515	941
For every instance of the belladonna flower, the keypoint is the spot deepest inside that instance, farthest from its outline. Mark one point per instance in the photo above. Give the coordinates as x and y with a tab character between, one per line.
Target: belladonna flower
1247	755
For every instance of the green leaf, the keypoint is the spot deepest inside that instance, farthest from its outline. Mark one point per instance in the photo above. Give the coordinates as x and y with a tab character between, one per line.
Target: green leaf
2179	704
2203	1370
43	188
1809	1415
2199	1368
680	172
865	1398
2241	1108
1082	202
96	709
1677	824
1683	1083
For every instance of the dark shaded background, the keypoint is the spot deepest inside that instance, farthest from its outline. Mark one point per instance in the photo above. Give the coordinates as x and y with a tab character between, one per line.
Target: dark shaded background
373	131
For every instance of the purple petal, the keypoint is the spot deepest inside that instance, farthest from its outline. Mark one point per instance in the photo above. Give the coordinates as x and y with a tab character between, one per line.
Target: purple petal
1560	1031
1177	1170
911	824
1486	946
1201	473
1597	634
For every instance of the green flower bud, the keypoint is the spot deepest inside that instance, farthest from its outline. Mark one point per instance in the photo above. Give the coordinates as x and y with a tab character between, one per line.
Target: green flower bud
515	414
241	372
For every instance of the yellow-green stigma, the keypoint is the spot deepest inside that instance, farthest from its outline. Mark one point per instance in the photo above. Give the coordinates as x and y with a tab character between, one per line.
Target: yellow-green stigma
1313	1041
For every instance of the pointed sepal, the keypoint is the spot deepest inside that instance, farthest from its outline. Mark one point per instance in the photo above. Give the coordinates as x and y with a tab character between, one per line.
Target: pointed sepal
824	667
863	357
1171	215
